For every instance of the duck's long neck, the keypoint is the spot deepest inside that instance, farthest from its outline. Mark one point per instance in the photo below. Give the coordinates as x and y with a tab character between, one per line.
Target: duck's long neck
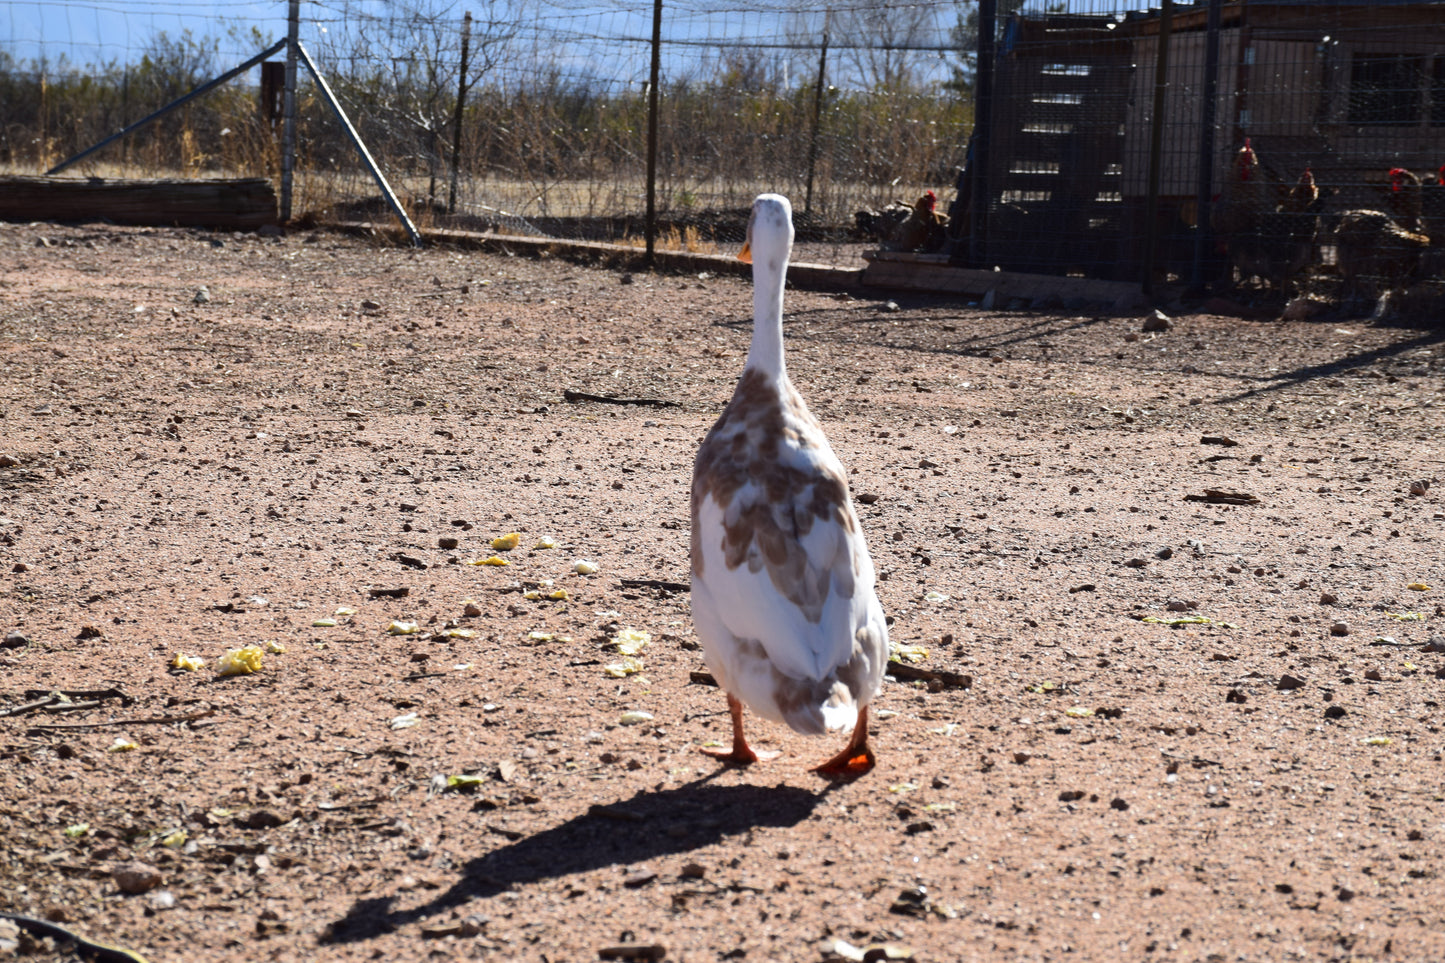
766	351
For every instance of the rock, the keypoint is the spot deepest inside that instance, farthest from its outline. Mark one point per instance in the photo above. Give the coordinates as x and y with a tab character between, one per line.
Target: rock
1164	553
1288	682
472	610
1340	628
1136	563
260	819
1176	605
14	640
633	951
447	542
1328	598
1301	309
1120	804
1335	712
203	296
1158	321
7	461
134	877
1418	488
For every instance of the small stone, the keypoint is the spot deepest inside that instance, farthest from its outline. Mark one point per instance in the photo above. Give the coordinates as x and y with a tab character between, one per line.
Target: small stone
472	610
1119	804
20	567
1328	598
1340	628
638	879
260	819
1177	605
203	296
1418	488
1234	695
472	925
134	877
1288	682
1335	712
447	542
7	461
1164	553
1158	321
162	899
14	640
1136	563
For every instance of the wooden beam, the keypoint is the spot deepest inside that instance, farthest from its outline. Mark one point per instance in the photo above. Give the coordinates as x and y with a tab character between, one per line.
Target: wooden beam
241	204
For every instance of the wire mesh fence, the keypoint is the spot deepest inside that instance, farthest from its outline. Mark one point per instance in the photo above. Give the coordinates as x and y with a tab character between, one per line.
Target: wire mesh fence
1230	144
840	107
1219	144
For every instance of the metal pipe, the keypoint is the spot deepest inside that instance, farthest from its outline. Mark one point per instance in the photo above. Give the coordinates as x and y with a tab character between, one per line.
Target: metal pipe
288	109
650	228
1204	191
356	141
186	98
1156	143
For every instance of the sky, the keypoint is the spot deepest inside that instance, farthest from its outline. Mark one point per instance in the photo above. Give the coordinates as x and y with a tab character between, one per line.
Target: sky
601	39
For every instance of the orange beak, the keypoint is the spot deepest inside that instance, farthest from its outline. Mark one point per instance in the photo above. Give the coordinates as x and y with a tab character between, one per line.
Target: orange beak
746	254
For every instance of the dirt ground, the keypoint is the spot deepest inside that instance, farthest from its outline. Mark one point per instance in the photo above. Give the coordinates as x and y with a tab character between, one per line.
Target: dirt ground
1077	779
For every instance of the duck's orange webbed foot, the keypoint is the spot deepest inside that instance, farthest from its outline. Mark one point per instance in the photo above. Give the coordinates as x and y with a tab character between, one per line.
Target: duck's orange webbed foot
857	757
741	754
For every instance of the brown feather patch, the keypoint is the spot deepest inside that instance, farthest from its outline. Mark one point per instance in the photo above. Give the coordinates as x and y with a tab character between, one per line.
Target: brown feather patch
742	448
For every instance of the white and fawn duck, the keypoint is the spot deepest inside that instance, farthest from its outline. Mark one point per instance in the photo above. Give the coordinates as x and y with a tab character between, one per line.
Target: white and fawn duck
782	583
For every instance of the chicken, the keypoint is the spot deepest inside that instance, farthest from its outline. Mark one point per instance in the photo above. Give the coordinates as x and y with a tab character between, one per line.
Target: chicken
1277	244
1245	196
1372	249
881	225
923	228
1405	202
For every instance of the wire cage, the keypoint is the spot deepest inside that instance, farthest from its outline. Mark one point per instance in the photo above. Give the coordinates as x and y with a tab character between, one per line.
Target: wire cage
1242	157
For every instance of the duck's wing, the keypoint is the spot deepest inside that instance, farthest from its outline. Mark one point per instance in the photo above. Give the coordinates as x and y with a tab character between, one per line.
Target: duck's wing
781	562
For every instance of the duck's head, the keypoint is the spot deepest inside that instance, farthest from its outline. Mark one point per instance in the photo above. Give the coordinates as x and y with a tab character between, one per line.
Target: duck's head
770	232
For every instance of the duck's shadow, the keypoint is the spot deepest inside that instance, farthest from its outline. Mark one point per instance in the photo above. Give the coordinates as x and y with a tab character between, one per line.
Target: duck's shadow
649	825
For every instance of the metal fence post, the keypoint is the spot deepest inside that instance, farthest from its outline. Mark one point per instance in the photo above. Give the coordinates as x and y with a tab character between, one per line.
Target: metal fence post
457	114
288	130
817	119
651	225
982	122
1156	143
1204	190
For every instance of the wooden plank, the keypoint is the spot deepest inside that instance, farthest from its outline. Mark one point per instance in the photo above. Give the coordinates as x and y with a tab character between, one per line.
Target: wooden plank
240	204
912	272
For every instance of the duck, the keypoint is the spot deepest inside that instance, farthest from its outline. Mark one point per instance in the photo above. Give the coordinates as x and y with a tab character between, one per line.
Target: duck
783	588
